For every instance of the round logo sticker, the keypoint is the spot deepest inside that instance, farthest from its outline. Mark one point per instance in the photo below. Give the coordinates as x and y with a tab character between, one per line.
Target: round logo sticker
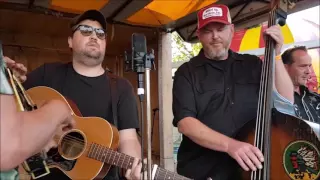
301	161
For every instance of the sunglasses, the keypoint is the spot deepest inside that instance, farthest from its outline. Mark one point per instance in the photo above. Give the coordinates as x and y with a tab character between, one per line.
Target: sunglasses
86	30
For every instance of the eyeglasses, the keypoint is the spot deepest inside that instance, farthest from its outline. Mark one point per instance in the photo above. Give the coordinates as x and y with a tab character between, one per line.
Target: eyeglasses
86	30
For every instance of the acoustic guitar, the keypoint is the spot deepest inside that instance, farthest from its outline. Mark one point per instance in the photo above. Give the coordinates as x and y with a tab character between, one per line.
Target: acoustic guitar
88	150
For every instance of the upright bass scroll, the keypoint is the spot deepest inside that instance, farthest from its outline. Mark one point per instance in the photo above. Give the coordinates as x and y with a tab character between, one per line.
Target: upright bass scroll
289	144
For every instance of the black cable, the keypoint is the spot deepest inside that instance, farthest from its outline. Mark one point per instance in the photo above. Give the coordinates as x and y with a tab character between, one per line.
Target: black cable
141	97
154	115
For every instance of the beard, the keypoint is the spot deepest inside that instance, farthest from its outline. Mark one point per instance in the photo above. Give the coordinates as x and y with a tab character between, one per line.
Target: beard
215	53
92	54
90	57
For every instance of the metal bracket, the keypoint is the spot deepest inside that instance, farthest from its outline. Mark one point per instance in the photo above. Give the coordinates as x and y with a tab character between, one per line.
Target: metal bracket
36	166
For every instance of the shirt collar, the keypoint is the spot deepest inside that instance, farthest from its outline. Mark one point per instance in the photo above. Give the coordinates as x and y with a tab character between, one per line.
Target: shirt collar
201	59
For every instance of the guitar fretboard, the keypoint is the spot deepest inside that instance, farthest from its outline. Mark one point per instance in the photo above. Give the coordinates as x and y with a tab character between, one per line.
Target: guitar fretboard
124	161
165	174
109	156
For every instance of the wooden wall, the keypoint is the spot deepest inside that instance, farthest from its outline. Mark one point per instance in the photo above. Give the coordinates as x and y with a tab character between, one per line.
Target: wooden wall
34	39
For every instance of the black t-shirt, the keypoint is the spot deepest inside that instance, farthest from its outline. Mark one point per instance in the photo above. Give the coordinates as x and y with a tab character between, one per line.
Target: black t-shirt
224	96
91	95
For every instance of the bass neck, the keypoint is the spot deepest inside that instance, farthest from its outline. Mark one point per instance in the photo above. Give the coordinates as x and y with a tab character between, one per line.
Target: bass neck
109	156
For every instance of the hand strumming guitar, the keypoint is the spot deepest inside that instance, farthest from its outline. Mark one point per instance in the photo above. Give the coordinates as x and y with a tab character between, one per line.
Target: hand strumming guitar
65	123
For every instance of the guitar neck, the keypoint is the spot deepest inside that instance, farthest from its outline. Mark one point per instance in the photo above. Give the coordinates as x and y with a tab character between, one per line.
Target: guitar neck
161	173
124	161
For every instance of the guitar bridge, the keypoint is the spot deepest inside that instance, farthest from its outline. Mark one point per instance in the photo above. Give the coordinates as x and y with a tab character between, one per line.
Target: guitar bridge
36	166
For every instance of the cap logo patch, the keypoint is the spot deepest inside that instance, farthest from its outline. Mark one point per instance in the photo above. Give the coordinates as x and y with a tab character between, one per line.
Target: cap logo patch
212	12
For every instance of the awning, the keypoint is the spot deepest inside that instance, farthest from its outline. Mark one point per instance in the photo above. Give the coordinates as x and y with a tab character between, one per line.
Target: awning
166	15
250	39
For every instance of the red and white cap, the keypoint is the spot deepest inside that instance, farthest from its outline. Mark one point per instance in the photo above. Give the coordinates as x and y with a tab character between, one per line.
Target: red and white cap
214	13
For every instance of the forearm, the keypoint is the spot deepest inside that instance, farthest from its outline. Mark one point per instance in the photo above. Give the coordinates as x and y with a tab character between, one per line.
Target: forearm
203	135
283	82
44	124
26	134
131	147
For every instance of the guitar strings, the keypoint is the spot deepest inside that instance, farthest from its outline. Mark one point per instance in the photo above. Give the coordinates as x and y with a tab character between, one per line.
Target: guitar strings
107	152
71	140
68	139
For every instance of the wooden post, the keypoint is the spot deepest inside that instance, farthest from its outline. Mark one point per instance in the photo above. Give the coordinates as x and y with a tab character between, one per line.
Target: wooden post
165	101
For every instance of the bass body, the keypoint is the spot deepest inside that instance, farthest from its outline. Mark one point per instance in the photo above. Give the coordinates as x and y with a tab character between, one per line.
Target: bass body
294	148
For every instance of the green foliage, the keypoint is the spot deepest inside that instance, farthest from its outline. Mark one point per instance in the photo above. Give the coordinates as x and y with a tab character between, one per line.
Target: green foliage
183	51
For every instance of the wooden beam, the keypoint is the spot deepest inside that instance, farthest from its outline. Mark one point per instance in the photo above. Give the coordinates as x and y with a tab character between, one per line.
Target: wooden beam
130	9
113	7
35	9
31	3
165	101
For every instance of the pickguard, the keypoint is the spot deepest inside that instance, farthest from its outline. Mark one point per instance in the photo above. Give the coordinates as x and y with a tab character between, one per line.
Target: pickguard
54	158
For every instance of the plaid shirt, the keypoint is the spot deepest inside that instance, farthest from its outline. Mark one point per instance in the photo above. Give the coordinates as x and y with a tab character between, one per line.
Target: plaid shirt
5	88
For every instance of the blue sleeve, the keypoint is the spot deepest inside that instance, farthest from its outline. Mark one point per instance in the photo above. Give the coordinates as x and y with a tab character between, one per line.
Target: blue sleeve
5	87
282	104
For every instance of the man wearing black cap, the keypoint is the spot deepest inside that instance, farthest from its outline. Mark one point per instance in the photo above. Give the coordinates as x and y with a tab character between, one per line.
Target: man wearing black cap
86	83
215	94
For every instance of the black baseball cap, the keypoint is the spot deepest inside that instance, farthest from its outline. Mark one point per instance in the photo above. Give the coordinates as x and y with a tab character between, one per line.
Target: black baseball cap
92	15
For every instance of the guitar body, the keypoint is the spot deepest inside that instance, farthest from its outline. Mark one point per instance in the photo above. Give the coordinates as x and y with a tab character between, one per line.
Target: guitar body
294	148
71	156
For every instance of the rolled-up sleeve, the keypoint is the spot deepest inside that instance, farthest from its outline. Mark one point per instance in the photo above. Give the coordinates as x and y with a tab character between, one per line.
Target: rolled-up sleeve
183	104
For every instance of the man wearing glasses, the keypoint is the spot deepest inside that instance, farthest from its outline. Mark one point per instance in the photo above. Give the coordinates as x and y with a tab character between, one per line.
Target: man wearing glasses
86	83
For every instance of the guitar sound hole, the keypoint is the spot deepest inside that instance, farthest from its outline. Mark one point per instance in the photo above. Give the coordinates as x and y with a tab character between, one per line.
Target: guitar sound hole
72	145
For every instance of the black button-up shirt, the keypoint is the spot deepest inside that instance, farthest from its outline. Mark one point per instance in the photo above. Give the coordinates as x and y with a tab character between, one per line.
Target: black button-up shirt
307	105
221	94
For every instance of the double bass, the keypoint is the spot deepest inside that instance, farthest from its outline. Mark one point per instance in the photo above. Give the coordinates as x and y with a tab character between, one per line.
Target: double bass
290	145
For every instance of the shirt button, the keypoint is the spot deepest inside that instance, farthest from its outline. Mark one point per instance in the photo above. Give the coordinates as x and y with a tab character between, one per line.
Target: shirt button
232	103
228	89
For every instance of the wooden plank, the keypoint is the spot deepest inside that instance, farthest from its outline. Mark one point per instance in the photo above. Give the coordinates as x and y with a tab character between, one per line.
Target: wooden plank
165	101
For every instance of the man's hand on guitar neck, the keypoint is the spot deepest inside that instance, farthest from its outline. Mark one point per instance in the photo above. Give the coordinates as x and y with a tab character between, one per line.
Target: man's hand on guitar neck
135	172
19	70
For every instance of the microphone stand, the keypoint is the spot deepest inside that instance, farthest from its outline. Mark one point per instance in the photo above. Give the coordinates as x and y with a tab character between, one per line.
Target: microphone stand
146	67
149	61
141	98
137	65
